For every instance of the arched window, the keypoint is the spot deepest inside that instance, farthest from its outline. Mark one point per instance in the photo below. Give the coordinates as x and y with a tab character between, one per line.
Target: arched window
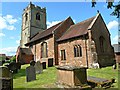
26	16
44	50
77	51
38	16
102	43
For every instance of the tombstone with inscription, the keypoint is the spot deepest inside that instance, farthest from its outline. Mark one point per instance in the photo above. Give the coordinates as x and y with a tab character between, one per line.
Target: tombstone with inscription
38	67
6	80
30	73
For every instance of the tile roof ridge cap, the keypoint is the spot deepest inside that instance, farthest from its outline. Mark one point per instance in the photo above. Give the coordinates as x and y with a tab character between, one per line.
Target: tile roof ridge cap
61	23
91	24
85	20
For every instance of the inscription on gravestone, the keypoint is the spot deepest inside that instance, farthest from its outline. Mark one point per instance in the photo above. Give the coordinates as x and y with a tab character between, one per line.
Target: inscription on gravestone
38	67
30	73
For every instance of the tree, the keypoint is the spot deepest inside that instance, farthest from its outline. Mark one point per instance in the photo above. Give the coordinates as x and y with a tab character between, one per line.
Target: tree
110	5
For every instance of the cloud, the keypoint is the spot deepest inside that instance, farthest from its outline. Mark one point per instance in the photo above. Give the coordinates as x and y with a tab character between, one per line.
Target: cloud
114	39
7	22
112	25
2	34
18	42
9	50
49	24
10	19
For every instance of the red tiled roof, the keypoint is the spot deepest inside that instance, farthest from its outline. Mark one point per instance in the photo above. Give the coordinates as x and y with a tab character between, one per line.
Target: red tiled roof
45	33
26	51
77	30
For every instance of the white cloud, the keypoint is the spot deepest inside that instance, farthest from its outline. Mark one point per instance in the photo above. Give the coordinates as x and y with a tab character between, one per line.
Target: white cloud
9	50
2	34
112	25
7	22
49	24
10	19
18	42
114	39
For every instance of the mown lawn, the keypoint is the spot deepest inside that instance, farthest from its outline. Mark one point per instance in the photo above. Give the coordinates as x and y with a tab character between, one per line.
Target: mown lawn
48	77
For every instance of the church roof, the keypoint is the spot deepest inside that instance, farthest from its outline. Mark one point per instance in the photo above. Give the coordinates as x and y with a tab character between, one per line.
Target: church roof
46	32
26	51
76	30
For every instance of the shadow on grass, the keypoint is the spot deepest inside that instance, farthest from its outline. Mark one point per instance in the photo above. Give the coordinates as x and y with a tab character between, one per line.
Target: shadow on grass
20	73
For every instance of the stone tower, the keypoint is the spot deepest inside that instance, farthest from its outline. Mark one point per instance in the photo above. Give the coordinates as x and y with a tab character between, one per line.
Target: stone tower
33	21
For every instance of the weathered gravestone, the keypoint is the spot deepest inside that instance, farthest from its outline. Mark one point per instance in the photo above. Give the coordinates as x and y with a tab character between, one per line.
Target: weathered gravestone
6	80
13	67
50	62
44	65
30	73
38	67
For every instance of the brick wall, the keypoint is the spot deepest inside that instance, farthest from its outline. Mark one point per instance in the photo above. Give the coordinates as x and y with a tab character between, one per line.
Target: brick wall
50	49
69	49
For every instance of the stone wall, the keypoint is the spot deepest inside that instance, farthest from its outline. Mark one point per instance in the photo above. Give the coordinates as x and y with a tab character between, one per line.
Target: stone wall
99	29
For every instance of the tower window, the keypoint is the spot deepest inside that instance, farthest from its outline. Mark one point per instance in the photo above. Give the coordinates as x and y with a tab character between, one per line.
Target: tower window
77	51
26	16
38	16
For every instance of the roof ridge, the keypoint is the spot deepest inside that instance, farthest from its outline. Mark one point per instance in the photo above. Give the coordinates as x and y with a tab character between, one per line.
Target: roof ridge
61	23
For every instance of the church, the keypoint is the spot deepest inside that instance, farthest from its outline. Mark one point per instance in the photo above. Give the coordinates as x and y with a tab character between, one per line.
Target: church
66	43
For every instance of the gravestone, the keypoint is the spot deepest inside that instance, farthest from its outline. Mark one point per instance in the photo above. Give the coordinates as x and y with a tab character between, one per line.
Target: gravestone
18	65
50	62
44	65
30	73
32	62
38	67
13	67
6	80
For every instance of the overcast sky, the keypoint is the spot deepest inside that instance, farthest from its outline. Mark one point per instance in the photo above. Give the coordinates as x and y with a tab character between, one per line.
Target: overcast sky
11	19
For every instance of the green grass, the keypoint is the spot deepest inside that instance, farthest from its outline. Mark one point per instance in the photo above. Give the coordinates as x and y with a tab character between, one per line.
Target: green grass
49	75
107	73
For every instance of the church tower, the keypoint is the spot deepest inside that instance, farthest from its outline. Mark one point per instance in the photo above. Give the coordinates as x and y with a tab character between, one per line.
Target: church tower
33	21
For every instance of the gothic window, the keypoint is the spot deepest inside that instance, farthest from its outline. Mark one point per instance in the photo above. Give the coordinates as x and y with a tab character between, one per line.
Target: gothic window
26	16
63	55
44	50
77	51
102	43
38	16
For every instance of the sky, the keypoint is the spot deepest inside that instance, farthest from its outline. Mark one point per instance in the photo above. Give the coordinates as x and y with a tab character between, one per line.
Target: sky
11	19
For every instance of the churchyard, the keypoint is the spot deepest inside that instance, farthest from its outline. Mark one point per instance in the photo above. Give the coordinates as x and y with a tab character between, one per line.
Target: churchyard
48	77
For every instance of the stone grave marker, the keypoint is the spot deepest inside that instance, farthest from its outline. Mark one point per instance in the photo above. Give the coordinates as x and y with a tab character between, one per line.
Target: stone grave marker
13	67
50	62
30	73
38	67
6	80
44	65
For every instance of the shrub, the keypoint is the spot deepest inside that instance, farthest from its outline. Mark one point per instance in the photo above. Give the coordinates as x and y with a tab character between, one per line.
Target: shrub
13	59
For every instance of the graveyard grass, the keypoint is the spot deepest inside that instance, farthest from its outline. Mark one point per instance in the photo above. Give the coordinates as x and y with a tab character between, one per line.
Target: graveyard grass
49	76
